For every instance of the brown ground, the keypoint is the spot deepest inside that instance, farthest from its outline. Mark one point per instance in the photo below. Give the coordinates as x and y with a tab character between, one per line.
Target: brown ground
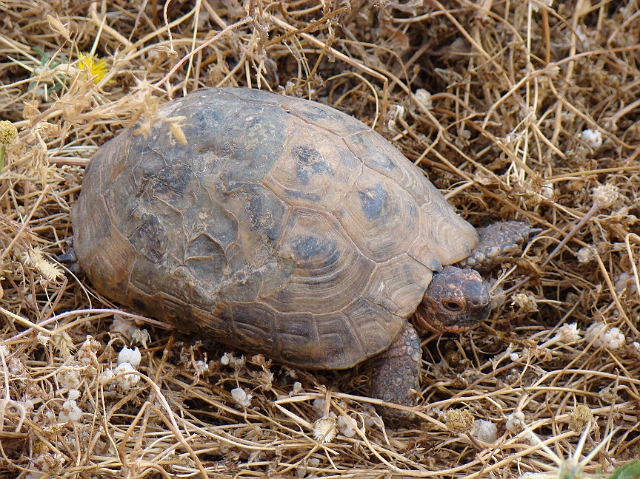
492	98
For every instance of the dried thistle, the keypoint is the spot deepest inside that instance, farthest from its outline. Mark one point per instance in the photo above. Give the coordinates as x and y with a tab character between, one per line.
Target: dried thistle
324	429
35	258
580	418
459	420
571	467
8	133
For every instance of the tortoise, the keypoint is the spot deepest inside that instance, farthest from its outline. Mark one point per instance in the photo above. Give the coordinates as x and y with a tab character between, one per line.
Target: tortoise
282	226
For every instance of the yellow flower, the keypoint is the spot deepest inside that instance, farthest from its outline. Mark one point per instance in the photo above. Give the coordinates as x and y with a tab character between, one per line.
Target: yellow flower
95	67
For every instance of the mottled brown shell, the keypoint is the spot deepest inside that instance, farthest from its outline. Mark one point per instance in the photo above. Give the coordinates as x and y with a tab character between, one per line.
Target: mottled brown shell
283	226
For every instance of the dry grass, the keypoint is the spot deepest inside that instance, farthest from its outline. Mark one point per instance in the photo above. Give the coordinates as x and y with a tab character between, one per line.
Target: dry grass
513	85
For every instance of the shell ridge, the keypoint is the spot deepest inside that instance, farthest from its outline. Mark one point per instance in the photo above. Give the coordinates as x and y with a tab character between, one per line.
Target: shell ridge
340	228
285	220
292	100
361	168
168	205
366	352
373	279
357	333
318	335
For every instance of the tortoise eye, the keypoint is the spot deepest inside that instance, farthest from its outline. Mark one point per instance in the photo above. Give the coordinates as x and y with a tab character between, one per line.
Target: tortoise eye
453	306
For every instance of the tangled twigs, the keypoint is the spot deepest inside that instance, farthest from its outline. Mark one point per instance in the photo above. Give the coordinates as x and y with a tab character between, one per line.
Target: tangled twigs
212	40
9	409
603	197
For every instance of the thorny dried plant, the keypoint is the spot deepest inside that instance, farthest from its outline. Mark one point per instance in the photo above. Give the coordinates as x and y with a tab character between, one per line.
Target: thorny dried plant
523	110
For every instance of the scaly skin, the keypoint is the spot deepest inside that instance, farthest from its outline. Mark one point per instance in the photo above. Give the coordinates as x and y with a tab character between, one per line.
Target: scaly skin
498	241
396	376
455	301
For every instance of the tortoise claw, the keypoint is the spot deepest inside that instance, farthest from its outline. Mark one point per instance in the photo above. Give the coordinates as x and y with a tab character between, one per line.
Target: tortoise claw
68	257
70	260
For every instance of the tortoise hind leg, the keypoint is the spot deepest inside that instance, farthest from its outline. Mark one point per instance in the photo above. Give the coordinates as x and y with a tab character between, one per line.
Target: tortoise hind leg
70	260
396	376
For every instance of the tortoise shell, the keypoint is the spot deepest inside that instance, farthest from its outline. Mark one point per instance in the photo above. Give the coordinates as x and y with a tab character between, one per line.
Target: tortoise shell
282	226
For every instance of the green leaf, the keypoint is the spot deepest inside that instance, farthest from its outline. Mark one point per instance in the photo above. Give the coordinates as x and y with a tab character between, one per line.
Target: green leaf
630	470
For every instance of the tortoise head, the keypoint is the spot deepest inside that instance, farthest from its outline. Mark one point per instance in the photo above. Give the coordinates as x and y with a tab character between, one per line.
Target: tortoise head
455	301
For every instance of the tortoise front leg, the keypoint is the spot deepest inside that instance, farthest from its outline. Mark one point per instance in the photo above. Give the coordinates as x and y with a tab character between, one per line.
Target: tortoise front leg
396	376
498	242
